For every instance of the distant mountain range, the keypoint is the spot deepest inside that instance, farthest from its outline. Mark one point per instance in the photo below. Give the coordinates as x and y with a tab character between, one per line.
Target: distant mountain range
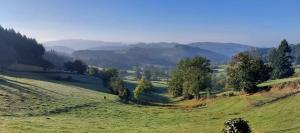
79	44
228	49
124	55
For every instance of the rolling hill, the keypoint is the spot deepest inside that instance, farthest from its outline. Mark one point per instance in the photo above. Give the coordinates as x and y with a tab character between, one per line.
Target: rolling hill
163	54
35	102
142	56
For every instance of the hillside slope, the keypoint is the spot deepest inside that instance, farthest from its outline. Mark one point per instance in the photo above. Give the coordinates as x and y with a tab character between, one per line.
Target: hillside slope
159	56
37	103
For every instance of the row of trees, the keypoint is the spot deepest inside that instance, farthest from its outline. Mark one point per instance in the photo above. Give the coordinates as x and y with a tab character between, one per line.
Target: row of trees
245	71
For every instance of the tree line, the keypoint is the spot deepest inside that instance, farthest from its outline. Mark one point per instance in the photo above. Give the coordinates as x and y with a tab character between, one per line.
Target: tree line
245	71
17	48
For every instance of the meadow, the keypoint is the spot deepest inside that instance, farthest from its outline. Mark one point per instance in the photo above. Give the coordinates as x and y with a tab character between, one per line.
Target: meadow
37	102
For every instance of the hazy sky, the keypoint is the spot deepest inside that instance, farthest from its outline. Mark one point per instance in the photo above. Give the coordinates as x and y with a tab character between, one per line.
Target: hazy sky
253	22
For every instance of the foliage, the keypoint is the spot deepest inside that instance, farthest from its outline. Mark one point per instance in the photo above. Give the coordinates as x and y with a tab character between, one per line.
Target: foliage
93	108
190	77
17	48
142	86
281	61
105	74
117	87
116	84
77	66
56	59
80	66
69	66
175	85
124	94
245	72
154	73
47	65
92	71
8	55
236	125
218	81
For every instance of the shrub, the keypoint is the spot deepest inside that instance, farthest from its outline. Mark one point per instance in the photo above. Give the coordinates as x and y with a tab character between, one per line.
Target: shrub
236	125
231	94
124	94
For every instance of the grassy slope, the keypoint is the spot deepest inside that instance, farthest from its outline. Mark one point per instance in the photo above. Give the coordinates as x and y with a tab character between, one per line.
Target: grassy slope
51	106
296	77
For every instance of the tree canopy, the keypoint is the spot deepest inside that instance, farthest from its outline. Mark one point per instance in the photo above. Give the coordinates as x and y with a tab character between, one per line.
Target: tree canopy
245	71
17	48
143	85
281	61
190	77
77	66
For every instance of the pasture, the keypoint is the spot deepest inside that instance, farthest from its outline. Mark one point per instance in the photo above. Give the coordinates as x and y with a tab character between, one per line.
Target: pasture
34	102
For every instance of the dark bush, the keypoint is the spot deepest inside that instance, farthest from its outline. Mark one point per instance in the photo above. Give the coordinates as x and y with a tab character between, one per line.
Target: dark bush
69	78
236	125
231	94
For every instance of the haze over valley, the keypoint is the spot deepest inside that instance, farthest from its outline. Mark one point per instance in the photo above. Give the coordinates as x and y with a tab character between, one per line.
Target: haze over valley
149	66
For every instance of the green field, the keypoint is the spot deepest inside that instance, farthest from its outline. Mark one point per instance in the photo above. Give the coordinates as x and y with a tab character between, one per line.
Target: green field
295	78
32	102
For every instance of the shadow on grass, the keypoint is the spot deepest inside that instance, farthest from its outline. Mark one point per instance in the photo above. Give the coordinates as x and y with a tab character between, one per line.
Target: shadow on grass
155	97
20	90
81	81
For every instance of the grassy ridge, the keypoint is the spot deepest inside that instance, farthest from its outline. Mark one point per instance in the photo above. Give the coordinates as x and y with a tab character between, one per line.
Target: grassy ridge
80	107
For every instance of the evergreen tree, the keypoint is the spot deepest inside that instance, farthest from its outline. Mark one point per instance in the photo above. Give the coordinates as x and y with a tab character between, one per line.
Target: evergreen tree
281	61
17	48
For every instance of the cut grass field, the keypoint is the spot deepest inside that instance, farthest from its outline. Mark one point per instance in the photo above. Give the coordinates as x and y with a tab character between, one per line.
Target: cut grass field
36	103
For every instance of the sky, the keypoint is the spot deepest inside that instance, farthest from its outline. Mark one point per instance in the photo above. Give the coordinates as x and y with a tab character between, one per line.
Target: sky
261	23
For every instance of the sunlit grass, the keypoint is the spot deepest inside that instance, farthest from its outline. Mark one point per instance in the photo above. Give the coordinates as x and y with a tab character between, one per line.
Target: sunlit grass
108	115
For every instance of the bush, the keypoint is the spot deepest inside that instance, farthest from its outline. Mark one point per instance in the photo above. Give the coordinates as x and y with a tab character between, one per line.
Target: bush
231	94
118	88
124	94
236	125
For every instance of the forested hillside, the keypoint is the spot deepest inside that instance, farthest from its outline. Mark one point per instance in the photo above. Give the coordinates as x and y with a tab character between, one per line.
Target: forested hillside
17	48
139	56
